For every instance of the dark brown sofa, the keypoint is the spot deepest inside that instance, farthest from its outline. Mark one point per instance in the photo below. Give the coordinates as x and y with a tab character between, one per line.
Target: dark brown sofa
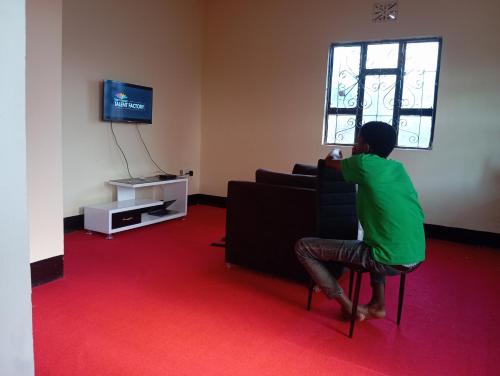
266	217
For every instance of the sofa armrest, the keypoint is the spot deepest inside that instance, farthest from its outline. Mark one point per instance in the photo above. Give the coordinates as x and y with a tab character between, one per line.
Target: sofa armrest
264	221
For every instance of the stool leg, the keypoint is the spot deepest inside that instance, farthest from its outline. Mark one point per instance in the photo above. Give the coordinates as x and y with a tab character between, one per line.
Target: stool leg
355	303
351	280
309	297
401	295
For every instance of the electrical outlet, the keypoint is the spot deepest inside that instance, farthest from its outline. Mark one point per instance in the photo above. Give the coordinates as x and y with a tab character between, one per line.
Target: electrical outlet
186	172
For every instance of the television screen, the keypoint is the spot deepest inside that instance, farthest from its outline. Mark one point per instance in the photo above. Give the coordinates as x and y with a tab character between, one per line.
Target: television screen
127	102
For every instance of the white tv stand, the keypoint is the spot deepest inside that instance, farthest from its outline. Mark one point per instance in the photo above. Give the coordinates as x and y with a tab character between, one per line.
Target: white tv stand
129	212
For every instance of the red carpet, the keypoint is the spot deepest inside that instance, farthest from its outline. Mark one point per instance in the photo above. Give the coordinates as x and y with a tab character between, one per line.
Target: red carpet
160	301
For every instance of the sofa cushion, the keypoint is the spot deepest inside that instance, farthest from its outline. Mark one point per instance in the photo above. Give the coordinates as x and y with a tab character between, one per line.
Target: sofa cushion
292	180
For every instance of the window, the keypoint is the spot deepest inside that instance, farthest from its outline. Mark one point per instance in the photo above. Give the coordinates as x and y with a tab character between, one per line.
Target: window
393	81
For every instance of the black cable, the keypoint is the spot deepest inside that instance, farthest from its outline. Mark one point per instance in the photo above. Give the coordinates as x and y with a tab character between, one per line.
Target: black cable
119	147
140	136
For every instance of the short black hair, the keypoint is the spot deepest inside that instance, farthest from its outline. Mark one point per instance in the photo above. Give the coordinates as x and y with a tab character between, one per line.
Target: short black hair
380	136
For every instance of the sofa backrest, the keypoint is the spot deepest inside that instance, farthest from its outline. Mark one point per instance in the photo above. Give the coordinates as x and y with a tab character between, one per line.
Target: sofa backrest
291	180
304	169
336	202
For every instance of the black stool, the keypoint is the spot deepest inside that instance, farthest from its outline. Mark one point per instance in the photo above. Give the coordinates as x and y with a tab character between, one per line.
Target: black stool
358	270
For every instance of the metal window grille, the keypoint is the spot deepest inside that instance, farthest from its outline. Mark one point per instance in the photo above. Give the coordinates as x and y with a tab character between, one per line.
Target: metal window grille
395	81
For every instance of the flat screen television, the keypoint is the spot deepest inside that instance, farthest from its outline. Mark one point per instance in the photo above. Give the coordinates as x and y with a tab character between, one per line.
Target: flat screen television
128	103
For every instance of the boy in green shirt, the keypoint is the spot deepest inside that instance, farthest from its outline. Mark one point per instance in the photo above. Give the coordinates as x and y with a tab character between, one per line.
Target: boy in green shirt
389	212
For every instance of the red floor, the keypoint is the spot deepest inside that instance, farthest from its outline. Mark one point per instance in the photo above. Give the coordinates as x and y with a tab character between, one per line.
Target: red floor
160	301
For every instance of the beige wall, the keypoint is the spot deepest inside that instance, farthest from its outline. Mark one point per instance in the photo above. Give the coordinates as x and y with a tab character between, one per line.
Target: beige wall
264	75
16	338
44	128
151	43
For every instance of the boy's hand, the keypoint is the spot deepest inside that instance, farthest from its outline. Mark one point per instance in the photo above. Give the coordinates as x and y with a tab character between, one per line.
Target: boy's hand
333	159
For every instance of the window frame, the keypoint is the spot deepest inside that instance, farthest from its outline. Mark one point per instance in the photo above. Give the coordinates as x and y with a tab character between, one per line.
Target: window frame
398	71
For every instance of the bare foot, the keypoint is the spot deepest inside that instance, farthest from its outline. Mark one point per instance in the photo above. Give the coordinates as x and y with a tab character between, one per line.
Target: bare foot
372	311
361	314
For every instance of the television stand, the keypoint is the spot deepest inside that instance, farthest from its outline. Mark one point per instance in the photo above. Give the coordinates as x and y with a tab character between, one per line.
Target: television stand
129	212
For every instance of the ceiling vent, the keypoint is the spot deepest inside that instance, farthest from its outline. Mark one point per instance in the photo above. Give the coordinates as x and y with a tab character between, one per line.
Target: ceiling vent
386	11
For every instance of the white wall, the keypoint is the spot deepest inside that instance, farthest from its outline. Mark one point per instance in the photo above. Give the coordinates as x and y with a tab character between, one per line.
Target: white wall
44	127
16	341
264	76
151	43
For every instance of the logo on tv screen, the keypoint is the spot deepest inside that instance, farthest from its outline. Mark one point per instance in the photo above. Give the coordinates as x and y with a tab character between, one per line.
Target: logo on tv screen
121	96
121	101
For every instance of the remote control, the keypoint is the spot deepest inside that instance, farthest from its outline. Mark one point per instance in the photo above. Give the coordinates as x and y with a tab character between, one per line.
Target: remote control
336	154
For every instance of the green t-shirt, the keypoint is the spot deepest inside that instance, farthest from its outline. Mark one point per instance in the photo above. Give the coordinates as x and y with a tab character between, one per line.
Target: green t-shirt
388	209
